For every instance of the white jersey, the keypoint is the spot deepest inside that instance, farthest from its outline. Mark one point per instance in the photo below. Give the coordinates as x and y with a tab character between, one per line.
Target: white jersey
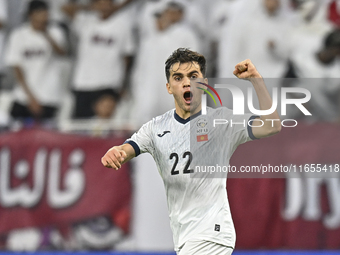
197	203
30	50
102	46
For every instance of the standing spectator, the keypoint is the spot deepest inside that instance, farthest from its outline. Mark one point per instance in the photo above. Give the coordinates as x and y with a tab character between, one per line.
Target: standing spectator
195	17
306	38
150	95
105	47
220	13
319	73
32	53
145	21
260	37
55	9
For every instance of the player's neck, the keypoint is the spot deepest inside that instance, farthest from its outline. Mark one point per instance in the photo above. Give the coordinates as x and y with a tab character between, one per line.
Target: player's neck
186	114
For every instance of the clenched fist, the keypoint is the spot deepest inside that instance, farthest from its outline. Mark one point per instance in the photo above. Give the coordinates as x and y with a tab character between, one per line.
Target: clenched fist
114	158
246	70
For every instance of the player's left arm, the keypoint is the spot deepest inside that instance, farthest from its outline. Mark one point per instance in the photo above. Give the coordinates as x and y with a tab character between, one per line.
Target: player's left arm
247	71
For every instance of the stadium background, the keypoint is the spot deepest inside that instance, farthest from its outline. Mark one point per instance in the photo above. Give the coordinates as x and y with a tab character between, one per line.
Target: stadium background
54	194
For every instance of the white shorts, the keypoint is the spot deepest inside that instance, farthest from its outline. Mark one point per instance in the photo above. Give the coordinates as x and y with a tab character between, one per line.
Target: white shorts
201	247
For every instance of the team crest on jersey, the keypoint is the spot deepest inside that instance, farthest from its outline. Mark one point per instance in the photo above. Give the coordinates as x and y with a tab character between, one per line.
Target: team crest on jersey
202	127
202	123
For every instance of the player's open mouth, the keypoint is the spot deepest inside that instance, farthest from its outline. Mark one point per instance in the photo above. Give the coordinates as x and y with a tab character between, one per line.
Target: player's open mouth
187	97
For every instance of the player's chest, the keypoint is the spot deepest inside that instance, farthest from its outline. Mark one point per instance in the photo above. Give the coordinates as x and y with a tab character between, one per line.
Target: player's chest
34	48
101	36
190	137
168	140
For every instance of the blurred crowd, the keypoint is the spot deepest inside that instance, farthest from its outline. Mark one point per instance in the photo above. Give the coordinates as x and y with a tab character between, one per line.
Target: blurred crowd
103	60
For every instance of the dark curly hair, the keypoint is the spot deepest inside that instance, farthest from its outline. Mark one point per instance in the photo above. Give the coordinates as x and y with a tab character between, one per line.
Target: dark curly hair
184	55
36	5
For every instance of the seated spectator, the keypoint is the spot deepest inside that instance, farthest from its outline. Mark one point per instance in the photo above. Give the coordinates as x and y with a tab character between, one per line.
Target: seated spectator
105	47
103	123
32	52
105	106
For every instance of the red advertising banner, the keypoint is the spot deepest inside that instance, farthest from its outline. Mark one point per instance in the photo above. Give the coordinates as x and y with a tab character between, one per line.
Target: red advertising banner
300	211
48	178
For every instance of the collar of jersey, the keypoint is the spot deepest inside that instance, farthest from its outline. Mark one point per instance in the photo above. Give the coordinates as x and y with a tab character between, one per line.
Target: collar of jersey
184	121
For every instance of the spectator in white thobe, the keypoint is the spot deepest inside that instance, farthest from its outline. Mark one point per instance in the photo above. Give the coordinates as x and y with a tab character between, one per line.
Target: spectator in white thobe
149	81
258	35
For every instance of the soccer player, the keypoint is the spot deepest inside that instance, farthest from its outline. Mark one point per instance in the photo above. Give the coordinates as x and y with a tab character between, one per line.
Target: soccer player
198	207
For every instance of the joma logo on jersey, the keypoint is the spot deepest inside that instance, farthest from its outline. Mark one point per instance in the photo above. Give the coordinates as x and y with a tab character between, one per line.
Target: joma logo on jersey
239	100
164	133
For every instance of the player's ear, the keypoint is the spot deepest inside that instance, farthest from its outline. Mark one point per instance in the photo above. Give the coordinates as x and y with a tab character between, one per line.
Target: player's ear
168	88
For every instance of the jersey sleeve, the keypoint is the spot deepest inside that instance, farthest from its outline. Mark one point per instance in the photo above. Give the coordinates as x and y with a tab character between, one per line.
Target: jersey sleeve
13	54
142	141
239	129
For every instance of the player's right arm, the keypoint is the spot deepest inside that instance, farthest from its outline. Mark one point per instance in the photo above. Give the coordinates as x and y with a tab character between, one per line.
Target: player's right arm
140	142
118	155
